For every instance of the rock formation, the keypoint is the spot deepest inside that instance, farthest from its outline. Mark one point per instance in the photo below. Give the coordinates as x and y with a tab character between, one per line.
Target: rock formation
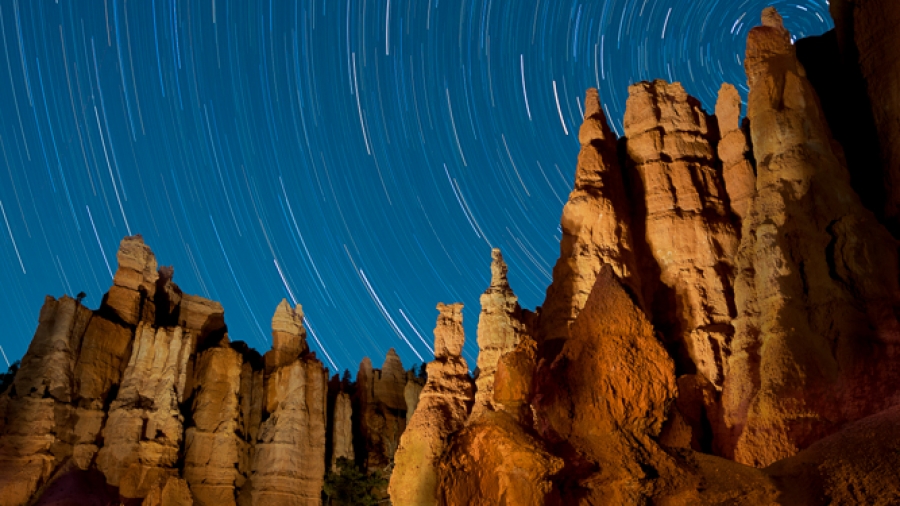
342	429
817	278
687	227
596	229
500	328
144	432
734	152
216	455
36	430
288	466
444	406
411	393
382	409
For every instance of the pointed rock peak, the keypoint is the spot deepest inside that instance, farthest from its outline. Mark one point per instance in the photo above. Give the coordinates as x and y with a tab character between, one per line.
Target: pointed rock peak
288	320
498	270
592	103
771	18
609	310
365	367
392	364
449	336
594	127
728	108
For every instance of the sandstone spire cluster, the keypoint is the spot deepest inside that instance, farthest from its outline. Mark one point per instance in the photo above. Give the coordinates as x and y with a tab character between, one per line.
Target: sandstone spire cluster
721	328
150	395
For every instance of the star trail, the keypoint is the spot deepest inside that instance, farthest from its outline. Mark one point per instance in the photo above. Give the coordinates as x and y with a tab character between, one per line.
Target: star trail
359	157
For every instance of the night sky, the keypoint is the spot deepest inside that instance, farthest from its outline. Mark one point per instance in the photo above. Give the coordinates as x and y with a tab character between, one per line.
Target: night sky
357	157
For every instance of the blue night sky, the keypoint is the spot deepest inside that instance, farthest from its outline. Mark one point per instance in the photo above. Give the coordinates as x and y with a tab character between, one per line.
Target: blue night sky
359	157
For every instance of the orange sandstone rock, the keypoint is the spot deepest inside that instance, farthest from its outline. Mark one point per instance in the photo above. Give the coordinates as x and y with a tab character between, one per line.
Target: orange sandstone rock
596	228
734	152
442	410
817	285
688	226
500	328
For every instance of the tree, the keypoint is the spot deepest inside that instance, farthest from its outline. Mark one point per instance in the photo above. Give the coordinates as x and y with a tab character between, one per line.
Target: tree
6	378
349	486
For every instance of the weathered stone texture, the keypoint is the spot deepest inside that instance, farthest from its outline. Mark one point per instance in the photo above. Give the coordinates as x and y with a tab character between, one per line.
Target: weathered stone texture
500	328
688	226
444	406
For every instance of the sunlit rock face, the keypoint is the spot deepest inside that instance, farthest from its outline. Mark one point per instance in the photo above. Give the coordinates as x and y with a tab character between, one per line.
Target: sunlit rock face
816	285
687	223
443	407
596	229
501	326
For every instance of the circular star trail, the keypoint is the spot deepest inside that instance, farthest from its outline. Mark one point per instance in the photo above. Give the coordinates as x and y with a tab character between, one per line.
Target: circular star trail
359	157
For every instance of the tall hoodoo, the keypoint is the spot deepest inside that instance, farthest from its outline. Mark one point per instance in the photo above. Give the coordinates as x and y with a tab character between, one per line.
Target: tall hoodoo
688	224
294	404
817	285
596	228
443	408
500	328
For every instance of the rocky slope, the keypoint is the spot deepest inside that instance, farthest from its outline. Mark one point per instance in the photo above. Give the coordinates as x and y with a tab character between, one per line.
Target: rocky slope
721	328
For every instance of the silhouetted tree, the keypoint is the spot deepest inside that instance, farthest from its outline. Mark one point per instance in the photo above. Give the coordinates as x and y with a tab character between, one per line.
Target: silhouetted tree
6	378
80	297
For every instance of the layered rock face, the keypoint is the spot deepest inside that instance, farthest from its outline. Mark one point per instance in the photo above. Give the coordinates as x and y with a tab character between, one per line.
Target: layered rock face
36	430
215	452
687	227
143	434
150	395
443	408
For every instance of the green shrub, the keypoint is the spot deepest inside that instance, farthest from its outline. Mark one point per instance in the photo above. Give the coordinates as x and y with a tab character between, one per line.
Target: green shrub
348	486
